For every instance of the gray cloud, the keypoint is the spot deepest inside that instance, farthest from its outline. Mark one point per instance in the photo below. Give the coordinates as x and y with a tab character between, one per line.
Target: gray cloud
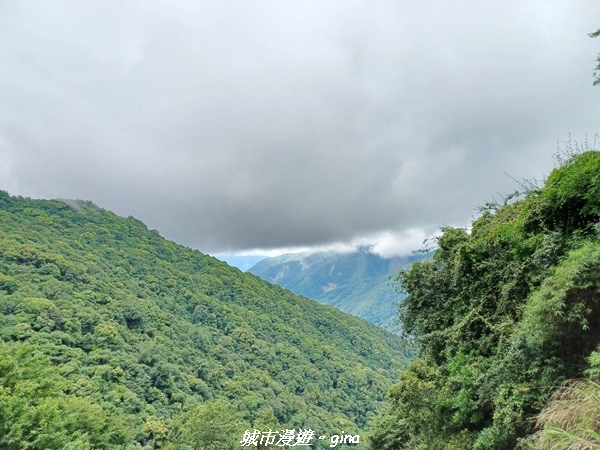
233	125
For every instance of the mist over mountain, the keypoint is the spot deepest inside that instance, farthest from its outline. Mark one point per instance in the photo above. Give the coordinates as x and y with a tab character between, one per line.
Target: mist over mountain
358	282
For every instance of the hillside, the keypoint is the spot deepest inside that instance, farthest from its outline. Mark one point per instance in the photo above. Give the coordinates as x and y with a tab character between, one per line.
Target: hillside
113	337
358	282
504	313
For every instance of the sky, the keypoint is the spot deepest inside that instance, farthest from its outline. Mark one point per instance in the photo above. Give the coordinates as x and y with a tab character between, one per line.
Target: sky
256	127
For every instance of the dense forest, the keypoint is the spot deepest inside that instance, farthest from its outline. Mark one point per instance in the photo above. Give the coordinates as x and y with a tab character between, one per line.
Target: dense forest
112	337
507	318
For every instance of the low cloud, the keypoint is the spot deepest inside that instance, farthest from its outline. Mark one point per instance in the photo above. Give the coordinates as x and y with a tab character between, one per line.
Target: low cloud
233	125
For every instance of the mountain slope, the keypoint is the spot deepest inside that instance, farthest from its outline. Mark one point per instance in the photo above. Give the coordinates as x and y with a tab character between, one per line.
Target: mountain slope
115	337
358	282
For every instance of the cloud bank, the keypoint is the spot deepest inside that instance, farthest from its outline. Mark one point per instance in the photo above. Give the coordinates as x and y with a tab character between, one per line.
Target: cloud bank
234	125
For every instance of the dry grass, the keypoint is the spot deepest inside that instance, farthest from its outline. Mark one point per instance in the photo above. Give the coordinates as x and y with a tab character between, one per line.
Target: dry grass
571	421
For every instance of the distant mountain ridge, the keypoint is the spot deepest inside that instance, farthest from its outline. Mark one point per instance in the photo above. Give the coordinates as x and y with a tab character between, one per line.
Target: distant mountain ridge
358	282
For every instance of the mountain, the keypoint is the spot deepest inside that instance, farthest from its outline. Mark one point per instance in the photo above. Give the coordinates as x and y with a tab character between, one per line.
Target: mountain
112	337
359	282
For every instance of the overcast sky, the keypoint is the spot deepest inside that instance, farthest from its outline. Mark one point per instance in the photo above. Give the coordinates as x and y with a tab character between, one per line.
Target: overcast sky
239	125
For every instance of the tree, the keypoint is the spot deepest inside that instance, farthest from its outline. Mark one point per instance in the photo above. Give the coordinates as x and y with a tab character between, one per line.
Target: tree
215	425
36	412
595	34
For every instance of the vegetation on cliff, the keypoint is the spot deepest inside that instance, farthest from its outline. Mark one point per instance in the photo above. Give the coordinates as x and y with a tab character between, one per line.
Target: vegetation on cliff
504	313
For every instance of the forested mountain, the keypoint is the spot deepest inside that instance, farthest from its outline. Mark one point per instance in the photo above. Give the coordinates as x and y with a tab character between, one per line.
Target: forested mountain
504	314
358	282
112	337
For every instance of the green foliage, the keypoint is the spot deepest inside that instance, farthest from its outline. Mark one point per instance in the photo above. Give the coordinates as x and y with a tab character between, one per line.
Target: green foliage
37	412
214	425
597	69
130	336
501	313
570	199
